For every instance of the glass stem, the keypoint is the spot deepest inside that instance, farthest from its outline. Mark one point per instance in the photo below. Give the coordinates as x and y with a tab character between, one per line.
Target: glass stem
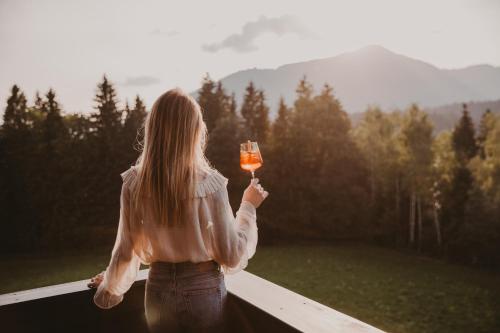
253	175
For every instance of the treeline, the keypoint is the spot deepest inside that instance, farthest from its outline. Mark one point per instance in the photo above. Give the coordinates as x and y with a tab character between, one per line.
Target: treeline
388	180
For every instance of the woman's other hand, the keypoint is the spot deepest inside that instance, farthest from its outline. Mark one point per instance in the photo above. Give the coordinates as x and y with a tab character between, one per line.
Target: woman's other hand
96	280
255	193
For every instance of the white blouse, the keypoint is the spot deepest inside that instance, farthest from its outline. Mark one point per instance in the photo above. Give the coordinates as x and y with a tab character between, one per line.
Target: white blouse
210	231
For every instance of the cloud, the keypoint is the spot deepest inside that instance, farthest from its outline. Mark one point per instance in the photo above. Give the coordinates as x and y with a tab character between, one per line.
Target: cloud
142	81
244	42
168	33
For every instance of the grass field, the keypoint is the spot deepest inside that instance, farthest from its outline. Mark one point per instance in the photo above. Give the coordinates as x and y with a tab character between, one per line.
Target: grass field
394	291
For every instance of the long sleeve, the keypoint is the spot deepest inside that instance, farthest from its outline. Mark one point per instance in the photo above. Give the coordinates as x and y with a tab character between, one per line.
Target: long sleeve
124	264
232	240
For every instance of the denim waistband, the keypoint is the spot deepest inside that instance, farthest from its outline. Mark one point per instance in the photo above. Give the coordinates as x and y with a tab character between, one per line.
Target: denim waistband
183	268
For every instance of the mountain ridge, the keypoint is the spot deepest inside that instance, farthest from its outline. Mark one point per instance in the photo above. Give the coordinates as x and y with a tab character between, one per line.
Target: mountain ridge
445	117
373	75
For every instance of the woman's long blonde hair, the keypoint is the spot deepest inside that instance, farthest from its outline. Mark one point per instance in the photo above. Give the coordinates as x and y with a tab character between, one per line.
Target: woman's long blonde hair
172	154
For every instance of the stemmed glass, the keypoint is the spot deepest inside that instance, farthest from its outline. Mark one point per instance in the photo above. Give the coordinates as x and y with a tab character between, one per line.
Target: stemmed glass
250	157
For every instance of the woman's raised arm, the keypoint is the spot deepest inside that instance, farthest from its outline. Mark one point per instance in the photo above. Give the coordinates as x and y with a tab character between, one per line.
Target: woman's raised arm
232	241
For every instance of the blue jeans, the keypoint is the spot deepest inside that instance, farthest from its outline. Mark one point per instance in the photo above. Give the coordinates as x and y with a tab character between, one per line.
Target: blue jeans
185	297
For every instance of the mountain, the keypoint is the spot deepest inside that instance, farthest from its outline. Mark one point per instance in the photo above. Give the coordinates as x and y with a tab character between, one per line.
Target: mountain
445	117
373	75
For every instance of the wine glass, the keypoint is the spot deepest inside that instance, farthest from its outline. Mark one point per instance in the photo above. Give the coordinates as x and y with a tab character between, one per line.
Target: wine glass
250	158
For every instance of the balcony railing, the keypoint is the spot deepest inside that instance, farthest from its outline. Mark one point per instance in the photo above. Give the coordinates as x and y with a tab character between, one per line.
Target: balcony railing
255	305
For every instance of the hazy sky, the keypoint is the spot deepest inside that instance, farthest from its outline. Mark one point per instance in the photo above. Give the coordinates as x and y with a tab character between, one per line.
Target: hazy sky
147	47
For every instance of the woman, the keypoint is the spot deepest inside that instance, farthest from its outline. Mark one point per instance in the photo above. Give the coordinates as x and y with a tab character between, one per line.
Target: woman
175	215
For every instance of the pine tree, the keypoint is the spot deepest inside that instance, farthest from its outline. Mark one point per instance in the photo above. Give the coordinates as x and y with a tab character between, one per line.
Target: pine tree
280	153
255	113
457	198
38	101
107	130
464	141
262	124
232	105
281	125
16	112
304	98
209	98
18	161
126	112
134	118
304	92
133	130
107	118
249	111
303	122
54	129
17	135
107	153
53	163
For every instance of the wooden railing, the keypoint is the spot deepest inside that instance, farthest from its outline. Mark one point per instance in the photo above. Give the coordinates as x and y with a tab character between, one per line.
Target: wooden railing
255	305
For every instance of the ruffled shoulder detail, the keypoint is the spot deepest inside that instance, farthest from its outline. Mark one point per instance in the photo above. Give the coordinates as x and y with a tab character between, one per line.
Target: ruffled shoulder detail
213	182
129	176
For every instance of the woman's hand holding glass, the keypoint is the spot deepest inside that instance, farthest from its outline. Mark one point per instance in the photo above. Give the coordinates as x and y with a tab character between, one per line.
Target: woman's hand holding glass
255	193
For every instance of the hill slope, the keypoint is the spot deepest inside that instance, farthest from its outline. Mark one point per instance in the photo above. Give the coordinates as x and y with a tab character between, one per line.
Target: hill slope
374	75
445	117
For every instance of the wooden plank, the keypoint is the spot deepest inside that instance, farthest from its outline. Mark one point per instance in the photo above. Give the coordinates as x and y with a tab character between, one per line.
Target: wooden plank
55	290
294	309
